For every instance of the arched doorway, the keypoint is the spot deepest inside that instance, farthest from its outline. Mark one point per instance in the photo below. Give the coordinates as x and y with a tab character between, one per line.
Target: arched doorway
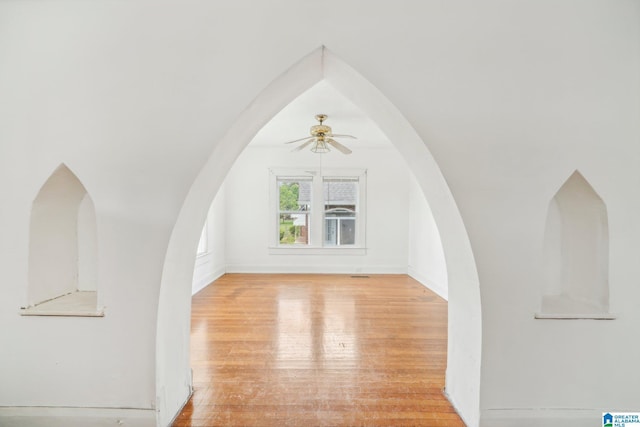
464	349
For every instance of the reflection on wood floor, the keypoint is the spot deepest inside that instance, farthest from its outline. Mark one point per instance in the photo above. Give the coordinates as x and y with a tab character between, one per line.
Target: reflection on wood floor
318	350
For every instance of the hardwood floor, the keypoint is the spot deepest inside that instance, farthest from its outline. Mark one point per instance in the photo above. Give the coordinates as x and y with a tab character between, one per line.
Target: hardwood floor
318	350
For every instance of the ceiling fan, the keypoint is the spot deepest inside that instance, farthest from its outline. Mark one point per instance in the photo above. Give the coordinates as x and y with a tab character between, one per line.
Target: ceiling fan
321	138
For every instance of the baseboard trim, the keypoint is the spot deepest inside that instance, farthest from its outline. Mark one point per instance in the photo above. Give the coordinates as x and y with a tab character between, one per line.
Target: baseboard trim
542	417
175	417
438	288
46	416
206	281
316	269
455	408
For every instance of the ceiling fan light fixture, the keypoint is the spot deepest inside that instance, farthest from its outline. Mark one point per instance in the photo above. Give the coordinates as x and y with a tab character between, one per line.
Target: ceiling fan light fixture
320	147
321	138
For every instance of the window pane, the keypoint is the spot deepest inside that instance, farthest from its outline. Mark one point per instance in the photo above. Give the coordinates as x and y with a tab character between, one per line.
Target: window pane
340	193
331	231
303	198
347	231
294	195
294	228
339	231
294	206
340	207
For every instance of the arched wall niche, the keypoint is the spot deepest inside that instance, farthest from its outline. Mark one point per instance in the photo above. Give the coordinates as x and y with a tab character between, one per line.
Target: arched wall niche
173	381
576	253
62	278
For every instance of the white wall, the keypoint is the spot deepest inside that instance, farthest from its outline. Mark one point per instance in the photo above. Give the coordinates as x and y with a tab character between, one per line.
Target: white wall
212	264
87	246
135	97
426	261
250	221
465	323
53	237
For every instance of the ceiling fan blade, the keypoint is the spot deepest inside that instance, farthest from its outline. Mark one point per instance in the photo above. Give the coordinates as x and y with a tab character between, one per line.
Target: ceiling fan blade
301	146
338	146
343	136
297	140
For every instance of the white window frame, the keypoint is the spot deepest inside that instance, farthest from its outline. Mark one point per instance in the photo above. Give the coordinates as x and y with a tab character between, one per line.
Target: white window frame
316	244
203	243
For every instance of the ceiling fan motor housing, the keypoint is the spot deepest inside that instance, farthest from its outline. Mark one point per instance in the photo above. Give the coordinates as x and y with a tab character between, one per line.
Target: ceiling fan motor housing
320	130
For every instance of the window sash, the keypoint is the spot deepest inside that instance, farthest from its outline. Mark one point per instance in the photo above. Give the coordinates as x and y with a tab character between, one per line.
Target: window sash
340	208
347	214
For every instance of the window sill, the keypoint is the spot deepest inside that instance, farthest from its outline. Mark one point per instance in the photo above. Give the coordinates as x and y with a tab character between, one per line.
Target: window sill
567	308
75	304
310	250
572	316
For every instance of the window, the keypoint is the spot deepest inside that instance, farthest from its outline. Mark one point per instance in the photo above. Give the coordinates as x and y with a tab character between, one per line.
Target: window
340	210
203	243
317	209
294	209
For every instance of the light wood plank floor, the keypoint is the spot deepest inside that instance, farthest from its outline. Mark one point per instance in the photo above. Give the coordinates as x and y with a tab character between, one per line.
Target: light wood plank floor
318	350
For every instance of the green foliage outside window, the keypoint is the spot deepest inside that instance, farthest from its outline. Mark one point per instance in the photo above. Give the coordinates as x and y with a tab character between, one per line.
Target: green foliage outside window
289	192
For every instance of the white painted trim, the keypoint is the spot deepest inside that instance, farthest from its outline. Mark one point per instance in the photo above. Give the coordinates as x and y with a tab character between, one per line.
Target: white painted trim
455	408
74	304
203	255
570	316
42	416
465	316
317	269
206	281
316	176
438	288
313	250
542	417
313	171
175	417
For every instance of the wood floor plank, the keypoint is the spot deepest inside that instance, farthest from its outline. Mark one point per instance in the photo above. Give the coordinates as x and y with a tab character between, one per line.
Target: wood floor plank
318	350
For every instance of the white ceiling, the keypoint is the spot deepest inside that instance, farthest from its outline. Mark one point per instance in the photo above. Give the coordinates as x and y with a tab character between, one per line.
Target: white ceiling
294	120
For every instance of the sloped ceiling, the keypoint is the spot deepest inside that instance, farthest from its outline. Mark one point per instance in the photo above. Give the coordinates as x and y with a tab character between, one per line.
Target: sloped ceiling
294	121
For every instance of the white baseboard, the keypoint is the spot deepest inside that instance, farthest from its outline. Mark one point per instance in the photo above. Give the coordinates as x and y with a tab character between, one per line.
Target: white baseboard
37	416
206	281
438	288
316	269
541	417
468	423
177	414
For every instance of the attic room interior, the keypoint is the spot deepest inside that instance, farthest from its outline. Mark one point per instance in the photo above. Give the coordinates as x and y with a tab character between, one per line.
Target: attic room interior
492	181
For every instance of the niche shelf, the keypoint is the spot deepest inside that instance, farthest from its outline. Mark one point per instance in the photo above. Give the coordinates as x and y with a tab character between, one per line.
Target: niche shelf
576	254
62	250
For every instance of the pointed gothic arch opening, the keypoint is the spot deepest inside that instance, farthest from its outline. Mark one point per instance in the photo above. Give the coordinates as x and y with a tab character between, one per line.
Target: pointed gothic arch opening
576	253
465	324
62	249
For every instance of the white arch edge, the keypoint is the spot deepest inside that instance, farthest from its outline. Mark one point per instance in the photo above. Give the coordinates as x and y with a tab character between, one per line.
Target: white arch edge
173	386
464	346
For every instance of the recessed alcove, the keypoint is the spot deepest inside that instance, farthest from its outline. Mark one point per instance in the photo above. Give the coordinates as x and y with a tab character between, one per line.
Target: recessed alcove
62	250
576	254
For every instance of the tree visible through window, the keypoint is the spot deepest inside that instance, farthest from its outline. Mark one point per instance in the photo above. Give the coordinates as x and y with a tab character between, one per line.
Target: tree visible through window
294	210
